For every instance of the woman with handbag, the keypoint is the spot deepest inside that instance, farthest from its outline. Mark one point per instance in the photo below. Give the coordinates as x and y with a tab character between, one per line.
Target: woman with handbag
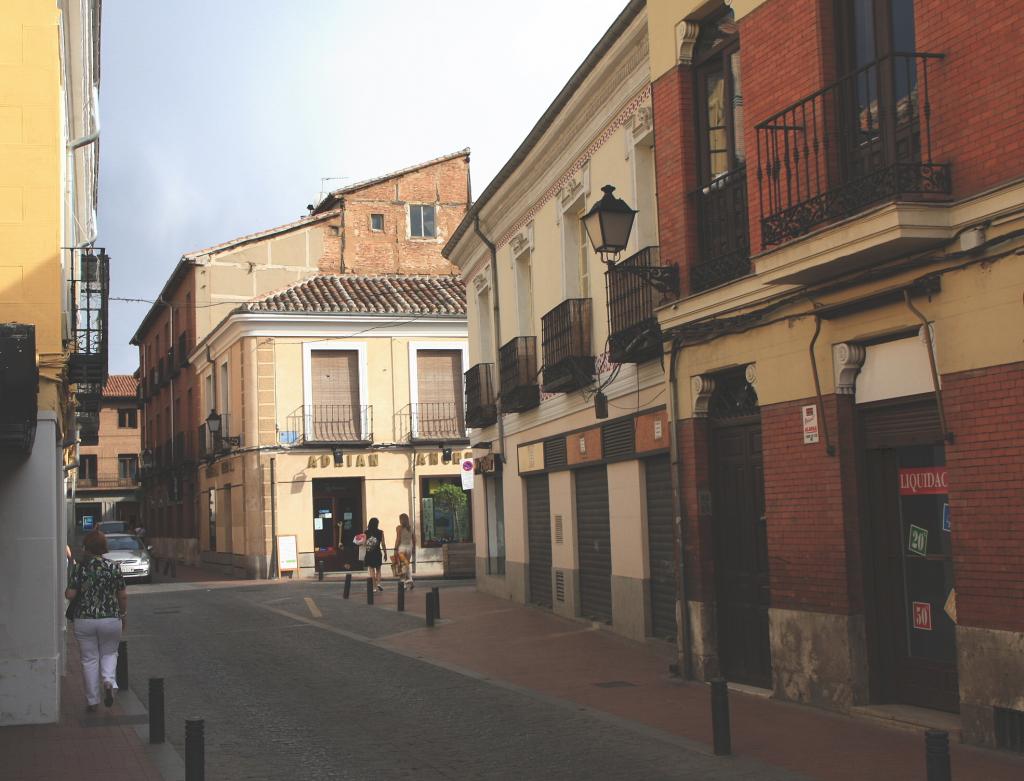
404	547
376	551
99	609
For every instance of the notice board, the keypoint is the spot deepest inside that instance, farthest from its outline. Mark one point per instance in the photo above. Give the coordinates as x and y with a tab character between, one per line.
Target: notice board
287	553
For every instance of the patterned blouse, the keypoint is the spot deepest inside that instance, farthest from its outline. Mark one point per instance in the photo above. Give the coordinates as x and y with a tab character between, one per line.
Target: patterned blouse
98	581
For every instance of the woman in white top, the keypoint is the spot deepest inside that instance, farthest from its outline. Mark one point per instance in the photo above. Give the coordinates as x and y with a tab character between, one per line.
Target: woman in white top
404	546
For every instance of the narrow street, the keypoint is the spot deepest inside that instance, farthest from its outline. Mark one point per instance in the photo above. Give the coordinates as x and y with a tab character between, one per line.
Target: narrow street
289	693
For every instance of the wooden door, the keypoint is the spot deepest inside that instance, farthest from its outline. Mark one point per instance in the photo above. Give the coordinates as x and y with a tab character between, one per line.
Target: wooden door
741	554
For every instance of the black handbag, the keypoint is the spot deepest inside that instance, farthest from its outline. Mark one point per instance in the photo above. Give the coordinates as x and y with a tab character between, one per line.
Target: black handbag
69	614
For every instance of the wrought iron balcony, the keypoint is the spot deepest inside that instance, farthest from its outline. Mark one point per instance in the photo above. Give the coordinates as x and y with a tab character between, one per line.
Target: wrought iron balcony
518	366
89	296
329	424
433	422
568	357
88	396
722	221
106	483
864	139
481	409
635	335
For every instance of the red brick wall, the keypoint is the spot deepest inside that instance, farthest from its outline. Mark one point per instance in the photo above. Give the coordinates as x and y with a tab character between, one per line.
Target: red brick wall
805	509
977	92
985	412
675	169
392	251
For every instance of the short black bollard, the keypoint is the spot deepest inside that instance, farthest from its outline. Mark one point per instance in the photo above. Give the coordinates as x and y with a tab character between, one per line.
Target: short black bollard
348	584
936	748
156	710
320	570
174	568
401	597
195	759
437	602
369	591
720	717
430	608
121	674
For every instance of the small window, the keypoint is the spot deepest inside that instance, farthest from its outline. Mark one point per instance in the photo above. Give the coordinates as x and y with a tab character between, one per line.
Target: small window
127	466
376	222
87	467
421	221
127	418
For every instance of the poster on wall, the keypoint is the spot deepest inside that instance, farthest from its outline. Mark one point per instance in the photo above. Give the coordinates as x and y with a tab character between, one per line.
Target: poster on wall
467	474
287	553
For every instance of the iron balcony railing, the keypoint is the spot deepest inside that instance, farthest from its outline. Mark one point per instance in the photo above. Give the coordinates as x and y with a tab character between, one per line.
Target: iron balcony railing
634	332
89	296
433	422
481	406
107	483
518	371
568	357
861	140
327	424
724	234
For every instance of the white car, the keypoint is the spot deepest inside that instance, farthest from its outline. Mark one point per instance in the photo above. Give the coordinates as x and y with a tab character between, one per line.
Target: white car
132	554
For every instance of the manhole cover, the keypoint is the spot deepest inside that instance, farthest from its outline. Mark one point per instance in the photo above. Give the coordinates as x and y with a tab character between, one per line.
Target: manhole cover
614	684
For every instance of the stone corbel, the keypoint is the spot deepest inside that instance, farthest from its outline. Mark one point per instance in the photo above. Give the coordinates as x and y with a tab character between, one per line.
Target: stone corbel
643	122
848	359
686	41
578	185
750	375
703	386
522	241
482	281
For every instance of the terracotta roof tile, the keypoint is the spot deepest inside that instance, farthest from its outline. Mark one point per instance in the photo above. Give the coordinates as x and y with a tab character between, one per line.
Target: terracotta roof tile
390	294
121	386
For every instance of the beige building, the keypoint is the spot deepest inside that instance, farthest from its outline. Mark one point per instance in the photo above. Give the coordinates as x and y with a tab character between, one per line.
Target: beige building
107	488
570	489
338	399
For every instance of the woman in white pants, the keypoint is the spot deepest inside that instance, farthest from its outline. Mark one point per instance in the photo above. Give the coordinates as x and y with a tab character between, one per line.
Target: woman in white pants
405	545
99	613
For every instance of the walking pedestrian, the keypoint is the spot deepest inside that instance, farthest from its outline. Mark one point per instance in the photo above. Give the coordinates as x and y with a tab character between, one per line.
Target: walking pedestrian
99	609
376	551
405	544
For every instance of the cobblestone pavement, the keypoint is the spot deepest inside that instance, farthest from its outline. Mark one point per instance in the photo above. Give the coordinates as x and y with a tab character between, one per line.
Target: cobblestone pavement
287	697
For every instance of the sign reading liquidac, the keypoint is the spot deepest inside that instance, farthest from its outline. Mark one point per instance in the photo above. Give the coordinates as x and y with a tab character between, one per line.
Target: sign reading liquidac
918	480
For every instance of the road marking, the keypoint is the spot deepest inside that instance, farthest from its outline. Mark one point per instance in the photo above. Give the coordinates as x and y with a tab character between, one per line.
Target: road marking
313	609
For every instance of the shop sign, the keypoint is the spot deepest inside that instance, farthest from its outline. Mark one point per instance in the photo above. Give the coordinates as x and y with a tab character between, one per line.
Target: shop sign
810	419
318	523
950	606
923	480
918	540
324	461
87	523
922	615
287	553
946	525
467	474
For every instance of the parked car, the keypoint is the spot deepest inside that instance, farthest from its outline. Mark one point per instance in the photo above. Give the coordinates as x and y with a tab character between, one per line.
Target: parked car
132	554
113	527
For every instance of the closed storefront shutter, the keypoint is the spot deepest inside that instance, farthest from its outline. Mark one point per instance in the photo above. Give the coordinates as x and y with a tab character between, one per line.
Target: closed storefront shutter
661	547
888	424
335	414
594	540
538	521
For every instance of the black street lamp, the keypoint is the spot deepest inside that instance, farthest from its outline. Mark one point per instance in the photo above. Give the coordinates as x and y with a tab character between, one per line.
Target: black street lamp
147	459
213	425
609	223
213	422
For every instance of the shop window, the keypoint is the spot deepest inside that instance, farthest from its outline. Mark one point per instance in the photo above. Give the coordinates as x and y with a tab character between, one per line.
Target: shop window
127	418
421	221
495	525
445	513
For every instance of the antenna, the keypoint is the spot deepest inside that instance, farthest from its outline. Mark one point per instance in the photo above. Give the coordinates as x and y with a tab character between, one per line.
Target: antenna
323	184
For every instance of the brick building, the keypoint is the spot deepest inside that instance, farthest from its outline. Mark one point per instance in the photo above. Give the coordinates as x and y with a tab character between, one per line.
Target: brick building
396	223
841	186
107	488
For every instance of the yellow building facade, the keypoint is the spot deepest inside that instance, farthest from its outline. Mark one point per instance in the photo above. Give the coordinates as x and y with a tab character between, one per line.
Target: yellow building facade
49	78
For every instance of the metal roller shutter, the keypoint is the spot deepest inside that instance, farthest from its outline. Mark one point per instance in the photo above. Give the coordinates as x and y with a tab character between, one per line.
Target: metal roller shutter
538	527
661	546
593	531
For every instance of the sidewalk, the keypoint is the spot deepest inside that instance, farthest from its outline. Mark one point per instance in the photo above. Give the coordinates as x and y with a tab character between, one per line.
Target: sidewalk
83	746
533	649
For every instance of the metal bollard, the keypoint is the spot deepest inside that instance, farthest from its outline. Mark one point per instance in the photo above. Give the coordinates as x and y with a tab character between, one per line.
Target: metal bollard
320	570
369	591
437	602
430	608
174	568
401	597
936	755
121	675
720	717
348	584
156	710
195	759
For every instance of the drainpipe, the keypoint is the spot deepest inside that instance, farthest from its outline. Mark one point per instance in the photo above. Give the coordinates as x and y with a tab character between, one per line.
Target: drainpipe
947	435
274	573
493	250
684	666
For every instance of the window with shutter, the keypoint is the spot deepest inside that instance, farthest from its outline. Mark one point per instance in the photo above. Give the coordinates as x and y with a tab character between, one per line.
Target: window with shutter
335	411
439	414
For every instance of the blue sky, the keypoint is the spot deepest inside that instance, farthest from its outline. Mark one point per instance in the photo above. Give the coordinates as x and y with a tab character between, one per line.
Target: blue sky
219	117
